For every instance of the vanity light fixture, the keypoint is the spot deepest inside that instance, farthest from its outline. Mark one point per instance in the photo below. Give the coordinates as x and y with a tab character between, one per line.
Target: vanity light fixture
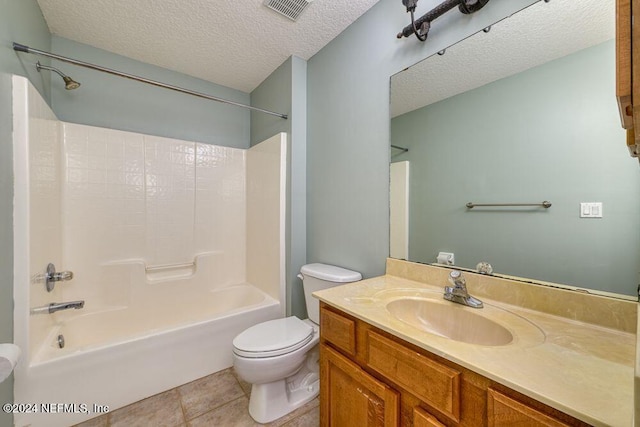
420	27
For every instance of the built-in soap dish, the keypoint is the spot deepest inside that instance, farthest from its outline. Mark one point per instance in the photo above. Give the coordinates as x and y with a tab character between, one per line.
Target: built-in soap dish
162	272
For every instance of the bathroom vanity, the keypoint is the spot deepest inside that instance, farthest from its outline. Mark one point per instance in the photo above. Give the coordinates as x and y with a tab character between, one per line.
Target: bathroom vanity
385	362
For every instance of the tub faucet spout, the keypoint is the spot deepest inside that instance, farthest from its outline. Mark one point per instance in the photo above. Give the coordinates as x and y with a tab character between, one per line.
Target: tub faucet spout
58	306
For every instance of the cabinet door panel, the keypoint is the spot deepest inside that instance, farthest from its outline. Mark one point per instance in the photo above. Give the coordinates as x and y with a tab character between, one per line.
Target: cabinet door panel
622	20
507	412
623	62
422	418
351	397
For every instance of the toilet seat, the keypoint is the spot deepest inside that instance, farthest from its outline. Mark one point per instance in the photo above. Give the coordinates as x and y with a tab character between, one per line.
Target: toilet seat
273	338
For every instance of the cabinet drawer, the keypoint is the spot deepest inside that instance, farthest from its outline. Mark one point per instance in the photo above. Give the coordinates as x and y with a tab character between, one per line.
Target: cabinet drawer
432	382
505	411
338	330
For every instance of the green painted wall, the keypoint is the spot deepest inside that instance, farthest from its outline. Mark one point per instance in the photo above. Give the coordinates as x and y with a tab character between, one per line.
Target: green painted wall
348	127
114	102
274	94
285	91
549	133
20	21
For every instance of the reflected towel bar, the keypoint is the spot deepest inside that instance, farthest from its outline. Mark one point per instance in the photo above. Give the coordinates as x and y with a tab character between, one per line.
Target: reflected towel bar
546	204
397	147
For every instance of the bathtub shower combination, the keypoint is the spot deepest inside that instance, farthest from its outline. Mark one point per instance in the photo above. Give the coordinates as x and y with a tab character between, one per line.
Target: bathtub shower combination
168	250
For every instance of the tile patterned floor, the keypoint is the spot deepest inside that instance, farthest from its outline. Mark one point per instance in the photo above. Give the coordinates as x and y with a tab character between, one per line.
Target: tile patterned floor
221	399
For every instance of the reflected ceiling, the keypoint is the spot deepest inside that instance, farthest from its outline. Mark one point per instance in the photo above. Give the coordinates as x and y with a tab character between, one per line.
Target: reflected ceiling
518	43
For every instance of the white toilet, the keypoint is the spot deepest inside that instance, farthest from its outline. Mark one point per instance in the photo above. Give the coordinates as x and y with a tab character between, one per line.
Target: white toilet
280	357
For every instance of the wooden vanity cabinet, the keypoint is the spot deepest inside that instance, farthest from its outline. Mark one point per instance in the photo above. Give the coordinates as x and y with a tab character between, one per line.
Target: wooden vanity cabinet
628	70
372	378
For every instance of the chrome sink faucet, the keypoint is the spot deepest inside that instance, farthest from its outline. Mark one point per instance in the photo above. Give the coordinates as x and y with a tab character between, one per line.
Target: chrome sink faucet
58	306
458	292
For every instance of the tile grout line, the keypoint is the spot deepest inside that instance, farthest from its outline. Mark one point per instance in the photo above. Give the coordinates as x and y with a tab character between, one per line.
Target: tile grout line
235	375
215	409
244	394
184	414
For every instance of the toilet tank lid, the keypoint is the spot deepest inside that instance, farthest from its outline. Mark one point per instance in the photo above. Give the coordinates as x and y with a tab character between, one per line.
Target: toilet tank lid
330	273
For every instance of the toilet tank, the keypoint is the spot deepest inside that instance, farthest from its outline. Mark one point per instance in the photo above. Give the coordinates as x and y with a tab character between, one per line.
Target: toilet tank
316	277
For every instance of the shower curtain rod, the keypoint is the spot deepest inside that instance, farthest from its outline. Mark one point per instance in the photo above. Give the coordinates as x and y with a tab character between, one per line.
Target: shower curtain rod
22	48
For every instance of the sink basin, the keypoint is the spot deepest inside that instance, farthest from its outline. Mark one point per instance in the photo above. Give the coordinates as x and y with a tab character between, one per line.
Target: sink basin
450	320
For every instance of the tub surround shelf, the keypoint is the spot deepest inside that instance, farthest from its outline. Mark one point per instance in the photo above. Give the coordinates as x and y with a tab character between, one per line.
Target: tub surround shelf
581	369
162	267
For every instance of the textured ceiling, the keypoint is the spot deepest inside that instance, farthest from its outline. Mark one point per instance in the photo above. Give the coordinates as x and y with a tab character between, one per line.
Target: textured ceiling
538	34
229	42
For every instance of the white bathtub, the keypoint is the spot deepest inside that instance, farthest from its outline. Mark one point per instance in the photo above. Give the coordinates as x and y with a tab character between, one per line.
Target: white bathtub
118	356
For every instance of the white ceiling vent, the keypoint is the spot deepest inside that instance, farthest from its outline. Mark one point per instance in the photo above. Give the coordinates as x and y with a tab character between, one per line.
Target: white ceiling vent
289	8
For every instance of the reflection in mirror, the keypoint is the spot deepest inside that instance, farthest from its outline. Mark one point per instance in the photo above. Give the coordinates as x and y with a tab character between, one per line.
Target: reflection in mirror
521	114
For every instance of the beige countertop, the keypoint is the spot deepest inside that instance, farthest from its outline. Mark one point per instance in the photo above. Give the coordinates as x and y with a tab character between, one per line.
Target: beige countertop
582	369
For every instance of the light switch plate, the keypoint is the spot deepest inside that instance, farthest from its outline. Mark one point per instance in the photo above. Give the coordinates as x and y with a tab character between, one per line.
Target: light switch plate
591	210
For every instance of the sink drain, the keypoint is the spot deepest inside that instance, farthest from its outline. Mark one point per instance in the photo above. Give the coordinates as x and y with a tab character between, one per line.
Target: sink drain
61	341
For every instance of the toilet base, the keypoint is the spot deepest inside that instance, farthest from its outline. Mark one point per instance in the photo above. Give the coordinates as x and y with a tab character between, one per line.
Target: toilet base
273	400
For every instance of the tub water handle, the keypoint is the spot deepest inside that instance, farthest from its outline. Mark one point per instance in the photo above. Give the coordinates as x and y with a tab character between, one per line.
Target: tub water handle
52	276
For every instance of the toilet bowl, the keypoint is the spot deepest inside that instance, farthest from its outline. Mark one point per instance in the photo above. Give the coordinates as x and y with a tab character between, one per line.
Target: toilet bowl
280	357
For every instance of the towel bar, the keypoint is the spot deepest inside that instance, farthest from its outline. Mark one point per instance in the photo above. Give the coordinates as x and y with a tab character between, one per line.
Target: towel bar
546	204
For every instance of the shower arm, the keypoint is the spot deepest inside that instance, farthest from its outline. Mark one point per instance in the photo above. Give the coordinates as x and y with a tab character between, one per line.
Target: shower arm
39	67
22	48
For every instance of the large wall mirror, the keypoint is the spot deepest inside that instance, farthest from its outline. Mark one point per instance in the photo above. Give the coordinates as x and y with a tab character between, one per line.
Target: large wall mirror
523	112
